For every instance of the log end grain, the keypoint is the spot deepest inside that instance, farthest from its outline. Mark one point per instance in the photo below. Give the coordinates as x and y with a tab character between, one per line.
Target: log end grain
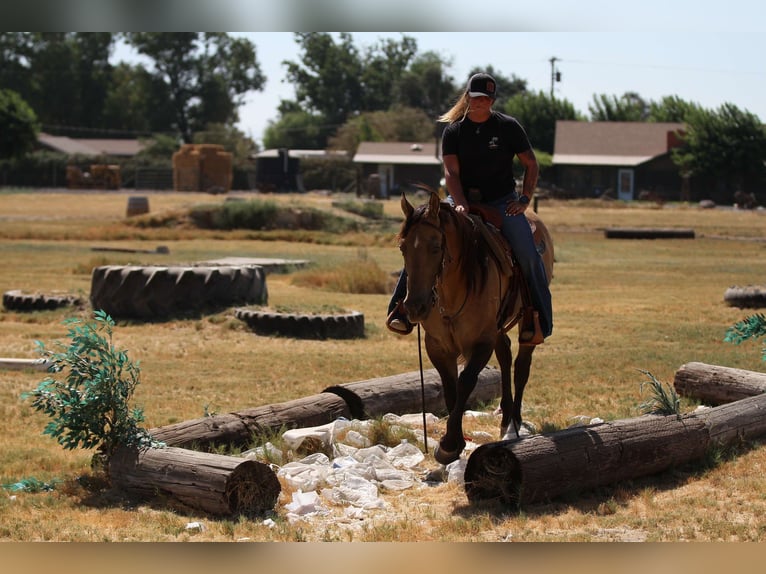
252	489
492	474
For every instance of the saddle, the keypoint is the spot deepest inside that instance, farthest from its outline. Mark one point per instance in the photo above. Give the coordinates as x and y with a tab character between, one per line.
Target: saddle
489	222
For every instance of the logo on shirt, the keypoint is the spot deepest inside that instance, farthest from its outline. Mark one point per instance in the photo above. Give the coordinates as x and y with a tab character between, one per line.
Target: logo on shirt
494	142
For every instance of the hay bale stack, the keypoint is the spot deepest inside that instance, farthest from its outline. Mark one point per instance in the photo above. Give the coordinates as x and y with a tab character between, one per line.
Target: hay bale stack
215	168
186	168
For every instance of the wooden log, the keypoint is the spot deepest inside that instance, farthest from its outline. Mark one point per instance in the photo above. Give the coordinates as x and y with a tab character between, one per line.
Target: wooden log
238	428
545	466
217	484
647	233
398	394
22	364
716	385
402	394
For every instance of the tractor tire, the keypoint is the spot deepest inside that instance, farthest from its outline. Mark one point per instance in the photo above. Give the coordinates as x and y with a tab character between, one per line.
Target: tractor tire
345	326
18	301
160	292
753	296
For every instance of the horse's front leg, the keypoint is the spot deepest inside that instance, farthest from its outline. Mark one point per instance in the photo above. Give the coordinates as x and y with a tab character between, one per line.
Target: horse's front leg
520	377
453	443
505	360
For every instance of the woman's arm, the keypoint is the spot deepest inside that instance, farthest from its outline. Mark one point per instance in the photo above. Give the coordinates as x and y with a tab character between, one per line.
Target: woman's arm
452	178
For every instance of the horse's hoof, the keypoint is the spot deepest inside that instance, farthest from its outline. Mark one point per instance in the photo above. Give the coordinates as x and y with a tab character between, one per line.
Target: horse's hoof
446	456
436	475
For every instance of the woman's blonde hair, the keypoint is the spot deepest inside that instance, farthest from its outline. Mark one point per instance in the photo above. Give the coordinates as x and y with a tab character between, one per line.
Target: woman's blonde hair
458	111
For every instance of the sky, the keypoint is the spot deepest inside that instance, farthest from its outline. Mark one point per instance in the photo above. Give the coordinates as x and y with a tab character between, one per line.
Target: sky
699	67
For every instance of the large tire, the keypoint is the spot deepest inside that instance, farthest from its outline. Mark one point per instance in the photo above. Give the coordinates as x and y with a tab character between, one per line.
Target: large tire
161	292
18	301
749	296
345	326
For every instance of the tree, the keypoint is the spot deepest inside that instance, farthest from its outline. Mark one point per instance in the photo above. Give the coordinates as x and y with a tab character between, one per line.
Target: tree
398	124
538	113
63	76
233	140
384	65
328	79
427	86
18	125
297	129
507	87
630	107
727	144
205	74
137	101
671	109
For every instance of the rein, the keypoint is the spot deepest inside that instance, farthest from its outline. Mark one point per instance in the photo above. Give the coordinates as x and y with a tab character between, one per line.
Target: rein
437	280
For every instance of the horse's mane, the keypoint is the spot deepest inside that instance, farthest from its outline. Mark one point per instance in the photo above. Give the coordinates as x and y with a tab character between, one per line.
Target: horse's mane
474	255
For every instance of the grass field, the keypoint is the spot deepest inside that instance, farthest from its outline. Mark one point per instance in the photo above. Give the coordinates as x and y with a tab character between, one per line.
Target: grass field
621	306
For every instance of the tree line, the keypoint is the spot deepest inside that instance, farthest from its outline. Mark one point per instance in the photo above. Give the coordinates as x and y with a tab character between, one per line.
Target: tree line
190	85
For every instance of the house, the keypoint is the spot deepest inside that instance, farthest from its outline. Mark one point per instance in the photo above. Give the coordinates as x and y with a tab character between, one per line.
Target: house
386	167
626	158
279	169
90	147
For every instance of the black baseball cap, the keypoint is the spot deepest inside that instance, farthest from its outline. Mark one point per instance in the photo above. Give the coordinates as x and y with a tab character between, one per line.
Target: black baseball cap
482	85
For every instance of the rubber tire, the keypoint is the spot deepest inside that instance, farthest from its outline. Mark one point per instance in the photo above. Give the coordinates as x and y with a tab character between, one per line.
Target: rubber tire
159	292
753	296
18	301
344	326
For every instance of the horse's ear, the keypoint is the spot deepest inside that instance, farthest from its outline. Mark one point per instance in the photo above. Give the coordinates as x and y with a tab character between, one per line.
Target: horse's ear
407	208
433	205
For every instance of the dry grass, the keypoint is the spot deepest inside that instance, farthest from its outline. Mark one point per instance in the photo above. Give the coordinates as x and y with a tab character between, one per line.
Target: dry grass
621	306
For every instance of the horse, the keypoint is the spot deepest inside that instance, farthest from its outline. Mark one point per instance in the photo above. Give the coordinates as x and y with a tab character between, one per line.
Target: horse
466	299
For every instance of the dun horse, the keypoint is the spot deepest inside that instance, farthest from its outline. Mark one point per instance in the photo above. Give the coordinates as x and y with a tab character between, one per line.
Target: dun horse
466	300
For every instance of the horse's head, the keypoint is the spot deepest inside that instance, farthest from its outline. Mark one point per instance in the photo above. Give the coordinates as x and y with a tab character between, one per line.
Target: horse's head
422	243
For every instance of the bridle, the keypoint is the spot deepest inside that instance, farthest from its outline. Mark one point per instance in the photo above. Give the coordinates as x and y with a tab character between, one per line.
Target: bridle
445	260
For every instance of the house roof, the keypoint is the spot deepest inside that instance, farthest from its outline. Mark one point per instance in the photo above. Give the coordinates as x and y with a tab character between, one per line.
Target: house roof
301	153
612	143
414	153
69	145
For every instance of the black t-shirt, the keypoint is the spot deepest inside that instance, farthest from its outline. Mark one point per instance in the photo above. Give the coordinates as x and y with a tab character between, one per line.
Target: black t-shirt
485	152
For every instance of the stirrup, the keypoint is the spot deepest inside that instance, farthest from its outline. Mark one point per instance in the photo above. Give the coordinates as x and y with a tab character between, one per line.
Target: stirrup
397	321
530	332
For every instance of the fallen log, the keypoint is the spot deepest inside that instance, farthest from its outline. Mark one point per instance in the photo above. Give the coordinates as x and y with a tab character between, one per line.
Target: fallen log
402	394
217	484
21	364
397	394
239	428
716	385
647	233
542	467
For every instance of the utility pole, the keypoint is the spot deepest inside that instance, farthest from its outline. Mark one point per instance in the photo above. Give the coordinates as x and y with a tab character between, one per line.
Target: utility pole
555	74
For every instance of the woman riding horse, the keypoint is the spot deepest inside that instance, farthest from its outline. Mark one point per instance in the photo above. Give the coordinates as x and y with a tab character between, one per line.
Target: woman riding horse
464	296
478	148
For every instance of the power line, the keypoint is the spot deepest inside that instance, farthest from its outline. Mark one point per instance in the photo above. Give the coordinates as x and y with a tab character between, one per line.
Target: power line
662	67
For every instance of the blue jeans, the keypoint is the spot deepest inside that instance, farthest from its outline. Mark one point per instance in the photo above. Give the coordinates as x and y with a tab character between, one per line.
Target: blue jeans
517	231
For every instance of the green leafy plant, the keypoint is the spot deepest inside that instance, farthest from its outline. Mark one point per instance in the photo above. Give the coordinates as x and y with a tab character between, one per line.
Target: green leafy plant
749	328
663	400
89	403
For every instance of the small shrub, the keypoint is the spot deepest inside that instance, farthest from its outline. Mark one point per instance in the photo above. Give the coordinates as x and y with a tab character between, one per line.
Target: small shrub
89	407
663	401
267	215
749	328
370	209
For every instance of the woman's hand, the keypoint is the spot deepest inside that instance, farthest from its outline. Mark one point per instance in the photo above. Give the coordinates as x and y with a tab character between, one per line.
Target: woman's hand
516	208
